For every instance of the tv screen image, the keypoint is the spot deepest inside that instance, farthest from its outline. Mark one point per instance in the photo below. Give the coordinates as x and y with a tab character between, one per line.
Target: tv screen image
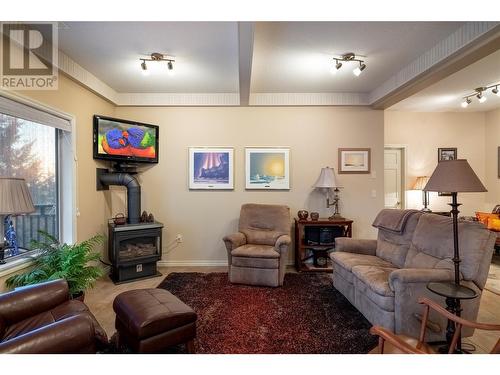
123	140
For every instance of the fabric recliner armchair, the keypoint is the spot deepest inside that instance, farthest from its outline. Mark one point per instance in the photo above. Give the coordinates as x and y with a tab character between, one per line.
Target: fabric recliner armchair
384	278
42	319
257	253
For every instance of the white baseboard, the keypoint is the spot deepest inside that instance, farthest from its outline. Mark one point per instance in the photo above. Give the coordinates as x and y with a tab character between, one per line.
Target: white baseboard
192	263
197	263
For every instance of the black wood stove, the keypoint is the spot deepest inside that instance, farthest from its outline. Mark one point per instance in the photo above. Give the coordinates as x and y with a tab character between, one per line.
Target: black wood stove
133	250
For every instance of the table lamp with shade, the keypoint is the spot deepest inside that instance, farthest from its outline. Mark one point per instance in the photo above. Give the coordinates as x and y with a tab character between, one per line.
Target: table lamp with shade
419	185
15	199
327	181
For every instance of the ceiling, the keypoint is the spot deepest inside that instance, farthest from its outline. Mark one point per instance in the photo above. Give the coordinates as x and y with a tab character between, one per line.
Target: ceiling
259	63
297	56
206	54
447	94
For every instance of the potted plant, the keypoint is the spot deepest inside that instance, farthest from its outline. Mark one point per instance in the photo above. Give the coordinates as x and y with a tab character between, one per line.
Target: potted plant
62	261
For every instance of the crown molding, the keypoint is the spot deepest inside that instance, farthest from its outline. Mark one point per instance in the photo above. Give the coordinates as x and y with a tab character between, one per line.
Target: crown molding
308	99
177	99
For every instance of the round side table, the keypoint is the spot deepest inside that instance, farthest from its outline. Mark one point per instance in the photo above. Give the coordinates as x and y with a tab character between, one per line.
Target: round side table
454	294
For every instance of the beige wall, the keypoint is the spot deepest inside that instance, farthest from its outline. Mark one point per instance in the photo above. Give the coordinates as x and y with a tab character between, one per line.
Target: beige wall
423	134
204	217
93	206
492	144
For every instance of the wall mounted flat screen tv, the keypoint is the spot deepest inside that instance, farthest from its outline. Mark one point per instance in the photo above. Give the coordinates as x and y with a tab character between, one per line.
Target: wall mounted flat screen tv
125	141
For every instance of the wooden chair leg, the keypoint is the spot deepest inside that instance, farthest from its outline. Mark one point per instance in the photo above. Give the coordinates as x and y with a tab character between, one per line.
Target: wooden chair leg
190	347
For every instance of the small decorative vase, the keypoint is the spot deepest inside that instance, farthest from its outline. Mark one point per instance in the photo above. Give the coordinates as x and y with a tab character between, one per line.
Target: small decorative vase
303	214
314	216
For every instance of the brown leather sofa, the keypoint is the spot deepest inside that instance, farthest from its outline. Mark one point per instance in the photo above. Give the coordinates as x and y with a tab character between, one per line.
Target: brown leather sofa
42	319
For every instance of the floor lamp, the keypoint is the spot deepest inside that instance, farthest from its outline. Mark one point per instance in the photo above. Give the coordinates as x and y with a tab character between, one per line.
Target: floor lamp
455	176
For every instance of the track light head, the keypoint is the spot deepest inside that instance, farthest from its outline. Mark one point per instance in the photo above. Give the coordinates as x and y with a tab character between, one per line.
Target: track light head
170	67
466	102
495	91
144	68
336	67
357	71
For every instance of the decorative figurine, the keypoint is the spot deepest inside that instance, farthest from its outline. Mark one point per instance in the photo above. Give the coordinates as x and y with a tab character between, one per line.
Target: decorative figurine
314	216
303	214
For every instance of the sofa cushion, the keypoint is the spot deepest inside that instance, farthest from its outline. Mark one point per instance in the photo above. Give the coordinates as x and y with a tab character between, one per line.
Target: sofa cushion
255	251
350	260
262	224
344	262
60	312
255	262
392	246
432	246
373	282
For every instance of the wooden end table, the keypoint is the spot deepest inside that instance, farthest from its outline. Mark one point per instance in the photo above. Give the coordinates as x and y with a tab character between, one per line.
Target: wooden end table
306	250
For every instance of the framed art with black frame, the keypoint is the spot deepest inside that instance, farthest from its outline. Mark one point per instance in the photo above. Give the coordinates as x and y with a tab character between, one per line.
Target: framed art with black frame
446	153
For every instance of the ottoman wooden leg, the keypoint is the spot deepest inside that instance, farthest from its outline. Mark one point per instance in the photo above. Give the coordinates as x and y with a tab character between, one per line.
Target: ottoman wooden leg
190	347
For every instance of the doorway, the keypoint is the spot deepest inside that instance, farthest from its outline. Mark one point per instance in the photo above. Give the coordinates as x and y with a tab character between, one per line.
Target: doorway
394	177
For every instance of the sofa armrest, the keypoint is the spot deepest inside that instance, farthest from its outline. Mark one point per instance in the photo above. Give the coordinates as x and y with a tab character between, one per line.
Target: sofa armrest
419	275
31	300
71	335
351	245
234	240
282	243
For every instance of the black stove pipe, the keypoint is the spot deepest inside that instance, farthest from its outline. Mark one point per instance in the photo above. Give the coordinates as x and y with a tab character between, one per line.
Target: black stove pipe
133	192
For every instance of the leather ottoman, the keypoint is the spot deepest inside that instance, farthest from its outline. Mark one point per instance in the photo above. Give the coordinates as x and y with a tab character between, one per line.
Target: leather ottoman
151	320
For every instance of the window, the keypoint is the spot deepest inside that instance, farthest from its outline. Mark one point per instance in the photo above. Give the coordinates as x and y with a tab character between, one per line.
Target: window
29	150
36	144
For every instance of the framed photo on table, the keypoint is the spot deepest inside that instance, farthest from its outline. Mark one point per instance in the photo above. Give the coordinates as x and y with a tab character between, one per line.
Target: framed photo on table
211	168
446	153
267	168
354	160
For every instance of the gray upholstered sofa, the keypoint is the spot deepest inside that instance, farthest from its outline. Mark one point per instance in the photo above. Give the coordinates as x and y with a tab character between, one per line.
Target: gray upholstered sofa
384	278
257	253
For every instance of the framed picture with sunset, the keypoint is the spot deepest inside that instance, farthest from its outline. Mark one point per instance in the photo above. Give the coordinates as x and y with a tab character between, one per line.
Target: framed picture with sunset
267	168
354	160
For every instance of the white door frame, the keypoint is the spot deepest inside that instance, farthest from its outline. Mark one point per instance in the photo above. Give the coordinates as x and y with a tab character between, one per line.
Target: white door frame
404	165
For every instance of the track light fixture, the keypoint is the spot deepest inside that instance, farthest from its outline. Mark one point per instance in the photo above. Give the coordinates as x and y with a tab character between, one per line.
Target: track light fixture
349	57
144	67
157	57
336	67
480	94
466	103
357	71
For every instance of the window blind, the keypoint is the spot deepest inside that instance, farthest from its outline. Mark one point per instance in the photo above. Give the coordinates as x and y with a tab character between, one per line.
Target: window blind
28	112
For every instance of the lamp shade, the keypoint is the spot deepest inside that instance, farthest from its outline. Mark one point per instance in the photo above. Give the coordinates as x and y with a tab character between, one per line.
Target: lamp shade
15	197
326	179
454	176
420	183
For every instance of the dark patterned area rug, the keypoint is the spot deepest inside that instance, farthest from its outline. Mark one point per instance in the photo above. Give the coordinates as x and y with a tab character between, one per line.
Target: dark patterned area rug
306	315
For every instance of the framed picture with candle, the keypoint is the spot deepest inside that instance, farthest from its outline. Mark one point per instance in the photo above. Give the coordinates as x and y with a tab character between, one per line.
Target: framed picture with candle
211	168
